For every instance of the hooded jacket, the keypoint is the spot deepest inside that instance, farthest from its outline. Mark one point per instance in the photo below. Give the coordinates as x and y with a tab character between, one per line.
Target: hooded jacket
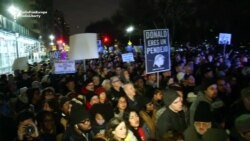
170	120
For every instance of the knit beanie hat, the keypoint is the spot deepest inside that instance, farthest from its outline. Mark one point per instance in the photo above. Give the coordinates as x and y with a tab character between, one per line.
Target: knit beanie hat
203	112
89	96
62	100
242	123
208	83
169	96
77	114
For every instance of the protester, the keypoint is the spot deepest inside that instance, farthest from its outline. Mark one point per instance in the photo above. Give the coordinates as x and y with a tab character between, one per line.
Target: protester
158	99
64	106
27	129
47	127
121	105
173	118
116	130
242	126
131	96
79	128
135	124
148	114
116	90
209	95
203	122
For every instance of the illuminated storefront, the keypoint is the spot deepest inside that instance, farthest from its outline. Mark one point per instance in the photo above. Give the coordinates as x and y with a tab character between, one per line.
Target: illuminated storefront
14	44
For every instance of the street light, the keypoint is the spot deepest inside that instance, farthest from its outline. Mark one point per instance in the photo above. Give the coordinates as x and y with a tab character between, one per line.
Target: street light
130	29
51	37
15	12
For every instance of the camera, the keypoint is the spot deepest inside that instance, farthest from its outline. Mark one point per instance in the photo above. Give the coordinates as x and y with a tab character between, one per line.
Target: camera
30	129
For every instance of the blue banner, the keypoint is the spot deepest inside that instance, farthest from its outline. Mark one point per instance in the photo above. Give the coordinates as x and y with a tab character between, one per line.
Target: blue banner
157	50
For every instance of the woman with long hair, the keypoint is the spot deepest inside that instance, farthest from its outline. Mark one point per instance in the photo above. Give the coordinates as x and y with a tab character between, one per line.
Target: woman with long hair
116	130
133	121
121	105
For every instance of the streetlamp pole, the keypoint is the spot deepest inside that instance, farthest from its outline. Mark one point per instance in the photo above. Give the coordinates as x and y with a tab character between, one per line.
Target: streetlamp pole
17	52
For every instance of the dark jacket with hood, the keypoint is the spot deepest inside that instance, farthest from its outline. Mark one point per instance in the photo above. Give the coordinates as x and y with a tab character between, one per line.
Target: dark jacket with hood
170	120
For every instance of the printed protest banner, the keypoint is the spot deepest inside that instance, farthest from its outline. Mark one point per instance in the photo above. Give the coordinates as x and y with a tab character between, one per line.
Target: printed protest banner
64	66
128	57
157	50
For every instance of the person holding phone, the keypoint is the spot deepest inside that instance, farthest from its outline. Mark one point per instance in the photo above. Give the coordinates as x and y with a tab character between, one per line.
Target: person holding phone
26	127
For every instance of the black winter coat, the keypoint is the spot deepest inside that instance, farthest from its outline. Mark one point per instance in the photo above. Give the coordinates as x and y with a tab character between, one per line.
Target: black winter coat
170	120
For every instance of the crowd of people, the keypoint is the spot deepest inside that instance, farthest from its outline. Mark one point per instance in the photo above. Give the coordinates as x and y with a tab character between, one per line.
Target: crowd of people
205	96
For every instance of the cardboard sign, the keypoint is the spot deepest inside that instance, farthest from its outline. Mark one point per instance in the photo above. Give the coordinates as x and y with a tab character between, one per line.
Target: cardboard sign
157	50
83	46
128	57
64	67
20	63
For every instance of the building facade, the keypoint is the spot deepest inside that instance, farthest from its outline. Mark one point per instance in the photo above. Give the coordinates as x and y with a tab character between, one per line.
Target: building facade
17	41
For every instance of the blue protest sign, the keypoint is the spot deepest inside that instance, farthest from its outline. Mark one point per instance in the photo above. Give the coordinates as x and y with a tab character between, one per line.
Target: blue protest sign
225	38
128	57
157	50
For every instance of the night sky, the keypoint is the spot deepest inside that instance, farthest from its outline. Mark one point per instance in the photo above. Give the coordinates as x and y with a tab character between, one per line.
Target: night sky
80	13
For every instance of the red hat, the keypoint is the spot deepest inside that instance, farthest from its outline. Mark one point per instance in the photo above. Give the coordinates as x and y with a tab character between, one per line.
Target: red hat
99	90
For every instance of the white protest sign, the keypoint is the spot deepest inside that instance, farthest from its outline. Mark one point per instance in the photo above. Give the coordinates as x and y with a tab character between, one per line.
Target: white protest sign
64	66
20	63
128	57
83	46
225	38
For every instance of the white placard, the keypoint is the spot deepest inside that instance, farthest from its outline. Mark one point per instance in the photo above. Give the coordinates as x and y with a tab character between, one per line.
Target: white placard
83	46
225	38
64	66
128	57
20	63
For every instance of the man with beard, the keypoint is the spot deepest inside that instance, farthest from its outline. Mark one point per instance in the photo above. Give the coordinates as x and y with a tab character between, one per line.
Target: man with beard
202	129
79	128
209	95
